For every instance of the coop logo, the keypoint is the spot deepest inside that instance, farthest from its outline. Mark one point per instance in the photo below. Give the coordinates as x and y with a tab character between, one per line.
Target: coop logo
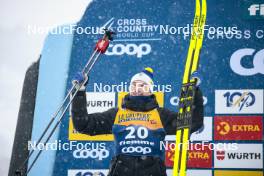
257	59
238	127
256	9
129	49
92	172
245	156
175	100
238	101
99	154
138	149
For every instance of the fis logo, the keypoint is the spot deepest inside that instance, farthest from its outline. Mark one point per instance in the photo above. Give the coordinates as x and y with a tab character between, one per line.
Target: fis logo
257	60
238	101
256	9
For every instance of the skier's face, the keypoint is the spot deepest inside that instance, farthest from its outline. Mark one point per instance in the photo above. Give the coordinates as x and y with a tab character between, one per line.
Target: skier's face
139	88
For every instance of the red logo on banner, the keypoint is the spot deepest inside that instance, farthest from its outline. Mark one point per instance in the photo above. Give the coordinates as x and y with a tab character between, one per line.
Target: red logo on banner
220	155
198	156
238	128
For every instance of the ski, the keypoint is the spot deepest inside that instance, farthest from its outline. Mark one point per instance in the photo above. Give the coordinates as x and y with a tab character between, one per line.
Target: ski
100	48
188	91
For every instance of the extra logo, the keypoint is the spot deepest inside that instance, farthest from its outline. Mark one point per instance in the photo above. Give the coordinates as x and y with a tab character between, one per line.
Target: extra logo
257	60
244	156
99	154
223	128
198	156
238	101
129	49
238	128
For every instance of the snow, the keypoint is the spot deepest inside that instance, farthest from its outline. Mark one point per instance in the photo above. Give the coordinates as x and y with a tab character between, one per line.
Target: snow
19	50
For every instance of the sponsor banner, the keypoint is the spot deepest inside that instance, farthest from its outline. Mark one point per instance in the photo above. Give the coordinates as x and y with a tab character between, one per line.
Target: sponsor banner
238	128
76	136
253	9
204	134
244	156
92	172
96	102
99	102
130	49
193	172
239	101
239	57
237	173
198	156
97	154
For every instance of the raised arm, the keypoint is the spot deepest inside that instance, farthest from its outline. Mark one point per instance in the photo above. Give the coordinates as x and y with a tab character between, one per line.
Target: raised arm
91	124
169	118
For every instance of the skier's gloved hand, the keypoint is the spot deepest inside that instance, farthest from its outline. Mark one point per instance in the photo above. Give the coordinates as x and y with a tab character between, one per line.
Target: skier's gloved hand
79	78
197	76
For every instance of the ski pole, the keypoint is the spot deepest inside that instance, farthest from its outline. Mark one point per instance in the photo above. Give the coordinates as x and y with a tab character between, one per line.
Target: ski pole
55	115
100	48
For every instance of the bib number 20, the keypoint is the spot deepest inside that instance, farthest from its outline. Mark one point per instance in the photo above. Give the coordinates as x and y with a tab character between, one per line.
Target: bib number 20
141	132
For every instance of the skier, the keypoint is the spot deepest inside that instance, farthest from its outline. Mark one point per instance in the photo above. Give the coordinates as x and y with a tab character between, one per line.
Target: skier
138	127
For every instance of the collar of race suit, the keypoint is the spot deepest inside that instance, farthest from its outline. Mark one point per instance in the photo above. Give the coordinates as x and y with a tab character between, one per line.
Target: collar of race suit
140	103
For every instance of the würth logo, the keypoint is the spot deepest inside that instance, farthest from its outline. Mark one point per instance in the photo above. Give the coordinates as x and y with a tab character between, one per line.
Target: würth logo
220	155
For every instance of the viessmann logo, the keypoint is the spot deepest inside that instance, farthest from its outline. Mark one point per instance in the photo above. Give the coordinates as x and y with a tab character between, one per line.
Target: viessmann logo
238	127
238	101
